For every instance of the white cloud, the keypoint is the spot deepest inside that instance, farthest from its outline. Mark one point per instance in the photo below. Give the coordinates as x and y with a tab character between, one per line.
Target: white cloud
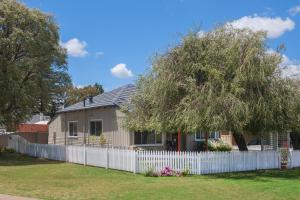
274	27
79	86
295	10
121	71
291	71
201	34
290	68
75	47
99	54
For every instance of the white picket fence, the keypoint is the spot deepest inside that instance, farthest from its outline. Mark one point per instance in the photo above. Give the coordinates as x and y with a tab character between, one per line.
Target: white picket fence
294	159
101	157
142	161
209	162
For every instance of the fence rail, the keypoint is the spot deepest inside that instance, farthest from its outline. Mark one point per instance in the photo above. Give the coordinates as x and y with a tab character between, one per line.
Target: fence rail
141	161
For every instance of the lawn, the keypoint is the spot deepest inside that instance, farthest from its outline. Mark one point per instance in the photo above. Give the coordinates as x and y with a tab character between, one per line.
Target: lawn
31	177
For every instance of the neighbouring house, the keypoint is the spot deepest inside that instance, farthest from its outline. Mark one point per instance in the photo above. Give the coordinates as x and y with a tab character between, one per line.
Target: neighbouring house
34	130
85	121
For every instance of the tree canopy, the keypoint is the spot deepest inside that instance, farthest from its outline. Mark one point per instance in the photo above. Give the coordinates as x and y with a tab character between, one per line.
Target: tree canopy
75	94
223	80
33	70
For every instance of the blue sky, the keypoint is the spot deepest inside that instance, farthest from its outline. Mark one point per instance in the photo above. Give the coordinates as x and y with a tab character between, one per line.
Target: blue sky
112	42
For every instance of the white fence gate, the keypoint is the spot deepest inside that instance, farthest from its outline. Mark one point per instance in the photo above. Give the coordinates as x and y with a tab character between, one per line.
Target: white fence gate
141	161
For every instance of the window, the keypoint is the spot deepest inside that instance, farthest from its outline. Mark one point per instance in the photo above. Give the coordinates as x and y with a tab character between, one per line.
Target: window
73	129
96	127
214	135
200	136
146	137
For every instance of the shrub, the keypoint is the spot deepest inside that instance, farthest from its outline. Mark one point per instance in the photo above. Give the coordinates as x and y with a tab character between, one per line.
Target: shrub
185	172
166	171
102	140
6	150
218	145
224	147
9	150
214	145
151	173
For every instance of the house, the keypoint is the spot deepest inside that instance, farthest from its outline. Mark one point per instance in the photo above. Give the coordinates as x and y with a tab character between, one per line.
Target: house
35	133
34	130
85	121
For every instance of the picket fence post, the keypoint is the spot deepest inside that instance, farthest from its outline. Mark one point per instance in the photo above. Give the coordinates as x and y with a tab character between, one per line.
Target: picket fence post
199	162
291	158
257	160
84	155
135	162
107	158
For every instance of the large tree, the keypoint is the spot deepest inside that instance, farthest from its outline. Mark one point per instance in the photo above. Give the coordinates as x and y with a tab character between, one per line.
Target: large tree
225	80
33	70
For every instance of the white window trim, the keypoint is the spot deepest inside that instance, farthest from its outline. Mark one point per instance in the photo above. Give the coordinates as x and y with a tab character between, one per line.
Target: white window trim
95	120
72	136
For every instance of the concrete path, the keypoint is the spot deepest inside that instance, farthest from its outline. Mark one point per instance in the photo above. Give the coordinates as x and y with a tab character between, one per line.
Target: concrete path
8	197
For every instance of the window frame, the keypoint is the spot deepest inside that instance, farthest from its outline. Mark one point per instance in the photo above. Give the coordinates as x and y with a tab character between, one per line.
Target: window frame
148	144
202	139
199	139
215	134
72	136
95	120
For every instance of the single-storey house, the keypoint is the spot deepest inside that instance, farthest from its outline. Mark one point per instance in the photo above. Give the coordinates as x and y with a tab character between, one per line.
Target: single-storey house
86	121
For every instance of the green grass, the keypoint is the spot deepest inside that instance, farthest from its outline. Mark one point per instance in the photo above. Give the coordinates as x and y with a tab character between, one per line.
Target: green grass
31	177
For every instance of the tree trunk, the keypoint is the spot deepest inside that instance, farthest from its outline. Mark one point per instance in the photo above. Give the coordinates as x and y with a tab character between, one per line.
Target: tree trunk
295	139
240	141
206	141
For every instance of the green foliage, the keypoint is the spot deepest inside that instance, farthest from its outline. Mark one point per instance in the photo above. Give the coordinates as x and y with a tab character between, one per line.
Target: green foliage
6	150
150	173
102	139
75	94
218	145
224	80
33	71
213	145
186	172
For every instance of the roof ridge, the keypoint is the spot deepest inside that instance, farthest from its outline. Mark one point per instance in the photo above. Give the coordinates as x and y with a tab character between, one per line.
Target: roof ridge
114	97
118	95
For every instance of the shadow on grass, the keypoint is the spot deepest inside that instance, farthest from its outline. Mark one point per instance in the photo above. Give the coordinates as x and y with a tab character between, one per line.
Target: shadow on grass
261	175
16	159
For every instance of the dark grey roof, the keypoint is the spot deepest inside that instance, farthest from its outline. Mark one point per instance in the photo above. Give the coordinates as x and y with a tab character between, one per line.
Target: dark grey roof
116	97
